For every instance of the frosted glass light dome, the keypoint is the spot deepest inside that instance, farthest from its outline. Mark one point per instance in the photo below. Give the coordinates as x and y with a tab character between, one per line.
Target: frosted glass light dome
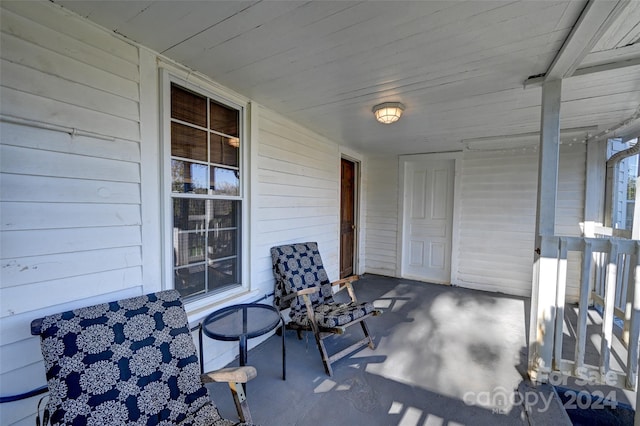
388	112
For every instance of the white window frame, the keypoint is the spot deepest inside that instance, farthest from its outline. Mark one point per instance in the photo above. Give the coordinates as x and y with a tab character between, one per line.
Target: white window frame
214	297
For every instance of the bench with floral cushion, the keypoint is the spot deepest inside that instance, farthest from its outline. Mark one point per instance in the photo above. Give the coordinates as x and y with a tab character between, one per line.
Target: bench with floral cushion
130	362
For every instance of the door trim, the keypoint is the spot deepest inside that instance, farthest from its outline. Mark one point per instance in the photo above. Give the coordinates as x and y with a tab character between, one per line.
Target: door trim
352	219
358	220
457	157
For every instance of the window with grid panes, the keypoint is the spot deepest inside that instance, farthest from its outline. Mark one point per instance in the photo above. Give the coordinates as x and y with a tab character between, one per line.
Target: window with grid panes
205	193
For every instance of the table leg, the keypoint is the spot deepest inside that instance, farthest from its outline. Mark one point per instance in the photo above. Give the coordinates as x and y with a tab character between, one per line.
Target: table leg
200	346
242	342
284	365
243	350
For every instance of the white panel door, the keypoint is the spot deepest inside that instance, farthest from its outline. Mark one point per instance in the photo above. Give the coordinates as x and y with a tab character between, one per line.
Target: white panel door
428	219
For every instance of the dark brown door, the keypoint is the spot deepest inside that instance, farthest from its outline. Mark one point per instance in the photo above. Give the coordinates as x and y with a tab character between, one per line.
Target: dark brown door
347	217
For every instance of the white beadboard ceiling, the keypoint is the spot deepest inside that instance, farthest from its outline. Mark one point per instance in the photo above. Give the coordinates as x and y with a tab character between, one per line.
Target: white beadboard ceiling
458	66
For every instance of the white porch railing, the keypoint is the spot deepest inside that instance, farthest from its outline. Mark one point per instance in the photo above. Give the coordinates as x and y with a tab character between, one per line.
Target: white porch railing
609	277
624	280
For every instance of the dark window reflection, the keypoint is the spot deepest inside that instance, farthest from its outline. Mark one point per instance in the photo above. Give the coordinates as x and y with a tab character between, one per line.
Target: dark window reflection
206	235
205	164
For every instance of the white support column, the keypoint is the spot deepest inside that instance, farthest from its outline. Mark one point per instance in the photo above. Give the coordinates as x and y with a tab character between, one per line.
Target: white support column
544	286
549	158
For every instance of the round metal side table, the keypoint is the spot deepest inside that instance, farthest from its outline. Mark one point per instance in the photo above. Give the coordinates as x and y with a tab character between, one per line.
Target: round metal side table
242	322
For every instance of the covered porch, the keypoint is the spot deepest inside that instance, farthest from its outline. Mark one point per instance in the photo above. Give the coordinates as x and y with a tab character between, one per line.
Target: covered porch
517	99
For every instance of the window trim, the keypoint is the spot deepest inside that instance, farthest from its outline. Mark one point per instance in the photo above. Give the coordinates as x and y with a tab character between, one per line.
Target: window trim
212	92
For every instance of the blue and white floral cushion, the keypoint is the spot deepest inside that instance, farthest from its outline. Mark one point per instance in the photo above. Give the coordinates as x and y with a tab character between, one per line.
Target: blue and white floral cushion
299	266
130	362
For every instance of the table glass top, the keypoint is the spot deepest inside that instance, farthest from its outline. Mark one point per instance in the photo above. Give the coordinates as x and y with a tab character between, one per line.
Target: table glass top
232	322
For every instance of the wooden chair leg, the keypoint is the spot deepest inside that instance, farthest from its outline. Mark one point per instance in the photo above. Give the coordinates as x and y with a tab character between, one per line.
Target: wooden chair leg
365	329
323	351
240	399
324	355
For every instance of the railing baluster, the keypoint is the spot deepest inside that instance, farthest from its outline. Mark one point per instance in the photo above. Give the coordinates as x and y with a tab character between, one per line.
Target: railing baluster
609	307
583	307
597	285
634	328
560	299
621	282
627	306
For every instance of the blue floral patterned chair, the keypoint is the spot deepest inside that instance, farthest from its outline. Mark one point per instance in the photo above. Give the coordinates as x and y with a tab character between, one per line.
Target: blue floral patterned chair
303	287
130	362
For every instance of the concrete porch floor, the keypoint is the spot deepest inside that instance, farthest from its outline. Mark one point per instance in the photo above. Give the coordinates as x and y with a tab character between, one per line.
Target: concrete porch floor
444	356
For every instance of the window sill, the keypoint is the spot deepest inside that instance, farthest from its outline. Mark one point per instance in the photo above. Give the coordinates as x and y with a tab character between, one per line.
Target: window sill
199	309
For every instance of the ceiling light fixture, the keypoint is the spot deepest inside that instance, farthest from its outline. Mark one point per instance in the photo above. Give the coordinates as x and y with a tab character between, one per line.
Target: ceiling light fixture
388	112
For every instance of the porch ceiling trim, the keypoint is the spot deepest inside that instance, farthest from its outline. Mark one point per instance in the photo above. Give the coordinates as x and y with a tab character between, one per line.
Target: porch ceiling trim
592	24
594	21
538	81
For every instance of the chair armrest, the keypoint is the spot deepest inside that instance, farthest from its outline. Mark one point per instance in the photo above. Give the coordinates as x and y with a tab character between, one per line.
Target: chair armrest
231	375
235	376
302	292
305	291
346	283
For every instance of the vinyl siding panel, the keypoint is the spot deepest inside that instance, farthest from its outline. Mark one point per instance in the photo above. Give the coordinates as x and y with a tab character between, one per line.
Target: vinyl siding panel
47	189
36	162
296	187
70	199
498	213
381	215
570	207
35	82
496	223
42	139
25	53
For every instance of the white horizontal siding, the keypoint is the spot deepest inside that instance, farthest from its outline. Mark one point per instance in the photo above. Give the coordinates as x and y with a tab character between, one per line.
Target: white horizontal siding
22	216
43	189
497	217
42	139
36	82
381	215
83	286
295	194
570	207
28	54
571	189
70	201
42	242
33	24
36	162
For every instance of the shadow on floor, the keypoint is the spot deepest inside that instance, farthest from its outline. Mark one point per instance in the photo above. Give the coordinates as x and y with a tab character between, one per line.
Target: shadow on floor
444	356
